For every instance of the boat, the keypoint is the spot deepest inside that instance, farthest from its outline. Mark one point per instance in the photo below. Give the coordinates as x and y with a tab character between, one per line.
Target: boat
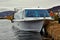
31	19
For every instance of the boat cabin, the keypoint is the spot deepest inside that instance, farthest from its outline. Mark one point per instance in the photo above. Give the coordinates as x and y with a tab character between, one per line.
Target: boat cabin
29	14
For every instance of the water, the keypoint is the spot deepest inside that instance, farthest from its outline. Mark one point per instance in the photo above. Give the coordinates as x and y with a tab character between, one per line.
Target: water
9	32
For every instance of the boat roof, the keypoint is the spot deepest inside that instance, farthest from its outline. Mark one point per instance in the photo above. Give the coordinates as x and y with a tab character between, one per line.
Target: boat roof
36	8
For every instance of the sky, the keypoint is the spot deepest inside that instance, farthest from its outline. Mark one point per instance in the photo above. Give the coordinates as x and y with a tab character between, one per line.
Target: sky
29	3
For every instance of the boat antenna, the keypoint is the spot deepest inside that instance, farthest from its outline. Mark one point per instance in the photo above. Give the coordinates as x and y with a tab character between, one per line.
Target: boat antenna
38	7
16	9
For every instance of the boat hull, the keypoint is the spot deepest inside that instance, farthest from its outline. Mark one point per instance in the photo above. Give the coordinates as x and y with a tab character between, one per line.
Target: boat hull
29	25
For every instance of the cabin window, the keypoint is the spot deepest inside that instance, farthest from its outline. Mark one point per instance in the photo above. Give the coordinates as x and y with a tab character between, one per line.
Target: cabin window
36	13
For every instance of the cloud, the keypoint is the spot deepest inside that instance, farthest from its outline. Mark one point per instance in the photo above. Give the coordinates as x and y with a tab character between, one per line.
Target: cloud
29	3
4	0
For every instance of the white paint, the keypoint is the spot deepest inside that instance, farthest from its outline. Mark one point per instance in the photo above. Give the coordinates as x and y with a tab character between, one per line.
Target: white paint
29	26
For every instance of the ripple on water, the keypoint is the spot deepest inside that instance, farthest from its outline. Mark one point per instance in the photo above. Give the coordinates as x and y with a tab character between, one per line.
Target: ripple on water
23	35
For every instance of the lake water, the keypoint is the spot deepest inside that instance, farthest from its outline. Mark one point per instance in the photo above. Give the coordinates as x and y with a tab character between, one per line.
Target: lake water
9	32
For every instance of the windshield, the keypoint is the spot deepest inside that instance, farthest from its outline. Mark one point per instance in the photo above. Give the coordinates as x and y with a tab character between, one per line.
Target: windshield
36	13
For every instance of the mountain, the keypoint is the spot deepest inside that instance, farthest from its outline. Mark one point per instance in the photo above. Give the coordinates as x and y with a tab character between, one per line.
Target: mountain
56	8
6	13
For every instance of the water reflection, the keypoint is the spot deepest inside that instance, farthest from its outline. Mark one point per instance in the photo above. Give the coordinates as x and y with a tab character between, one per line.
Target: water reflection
23	35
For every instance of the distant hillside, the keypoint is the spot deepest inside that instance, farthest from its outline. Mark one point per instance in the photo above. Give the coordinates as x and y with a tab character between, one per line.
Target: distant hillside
6	13
56	8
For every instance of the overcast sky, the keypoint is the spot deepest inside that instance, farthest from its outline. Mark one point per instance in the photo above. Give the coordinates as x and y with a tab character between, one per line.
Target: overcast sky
29	3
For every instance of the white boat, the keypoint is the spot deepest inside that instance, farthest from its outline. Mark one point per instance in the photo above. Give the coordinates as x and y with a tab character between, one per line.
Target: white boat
31	19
